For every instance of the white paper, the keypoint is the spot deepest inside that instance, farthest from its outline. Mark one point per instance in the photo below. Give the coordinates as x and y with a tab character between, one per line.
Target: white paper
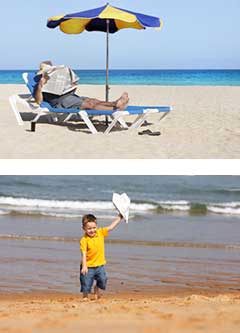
122	204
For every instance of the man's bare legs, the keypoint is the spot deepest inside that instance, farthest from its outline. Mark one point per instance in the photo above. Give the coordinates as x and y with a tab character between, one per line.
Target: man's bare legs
95	104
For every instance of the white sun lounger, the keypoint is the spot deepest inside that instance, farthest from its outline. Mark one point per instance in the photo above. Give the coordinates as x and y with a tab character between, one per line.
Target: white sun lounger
45	108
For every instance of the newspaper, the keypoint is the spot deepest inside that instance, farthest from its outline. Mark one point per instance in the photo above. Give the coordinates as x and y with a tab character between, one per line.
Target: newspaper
122	204
61	81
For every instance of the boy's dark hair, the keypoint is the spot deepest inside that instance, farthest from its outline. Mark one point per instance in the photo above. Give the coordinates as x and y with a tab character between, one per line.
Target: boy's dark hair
88	218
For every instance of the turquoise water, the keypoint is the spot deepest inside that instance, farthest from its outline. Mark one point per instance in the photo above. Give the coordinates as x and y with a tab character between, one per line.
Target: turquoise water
143	77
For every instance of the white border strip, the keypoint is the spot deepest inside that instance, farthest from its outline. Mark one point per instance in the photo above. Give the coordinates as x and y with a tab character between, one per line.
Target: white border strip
119	167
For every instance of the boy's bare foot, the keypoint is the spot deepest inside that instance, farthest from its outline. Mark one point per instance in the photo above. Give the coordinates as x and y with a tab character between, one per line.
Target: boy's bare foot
96	293
85	298
122	102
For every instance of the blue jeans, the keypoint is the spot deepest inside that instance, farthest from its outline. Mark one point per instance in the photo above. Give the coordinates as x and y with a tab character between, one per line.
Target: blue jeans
94	273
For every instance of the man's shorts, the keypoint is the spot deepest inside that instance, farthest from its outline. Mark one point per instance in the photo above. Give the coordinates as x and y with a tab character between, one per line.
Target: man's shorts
94	273
67	101
70	101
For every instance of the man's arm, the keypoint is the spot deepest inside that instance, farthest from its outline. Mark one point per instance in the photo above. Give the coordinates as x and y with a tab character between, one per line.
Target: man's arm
115	223
84	269
38	92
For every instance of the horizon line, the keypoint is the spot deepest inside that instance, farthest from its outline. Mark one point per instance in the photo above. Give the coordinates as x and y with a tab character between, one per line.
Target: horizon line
136	69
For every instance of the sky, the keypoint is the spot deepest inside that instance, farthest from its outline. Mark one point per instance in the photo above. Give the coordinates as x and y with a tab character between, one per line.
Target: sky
196	34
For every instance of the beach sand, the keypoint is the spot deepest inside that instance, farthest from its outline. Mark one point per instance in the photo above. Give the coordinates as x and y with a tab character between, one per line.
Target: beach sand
147	313
204	123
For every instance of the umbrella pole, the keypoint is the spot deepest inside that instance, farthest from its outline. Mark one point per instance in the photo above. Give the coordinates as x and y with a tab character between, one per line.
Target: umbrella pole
107	62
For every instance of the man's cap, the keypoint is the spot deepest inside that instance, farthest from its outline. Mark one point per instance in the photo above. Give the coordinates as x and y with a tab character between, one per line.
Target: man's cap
45	66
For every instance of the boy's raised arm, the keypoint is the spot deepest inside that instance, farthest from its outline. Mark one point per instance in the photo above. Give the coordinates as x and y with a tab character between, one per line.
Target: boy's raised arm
115	222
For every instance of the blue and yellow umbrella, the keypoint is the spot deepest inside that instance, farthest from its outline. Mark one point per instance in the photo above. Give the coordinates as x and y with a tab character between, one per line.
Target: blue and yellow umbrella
108	19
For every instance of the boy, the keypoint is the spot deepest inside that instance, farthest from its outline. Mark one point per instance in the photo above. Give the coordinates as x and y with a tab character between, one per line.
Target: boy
93	258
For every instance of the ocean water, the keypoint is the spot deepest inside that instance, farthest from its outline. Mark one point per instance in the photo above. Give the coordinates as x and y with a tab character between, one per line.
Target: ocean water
143	77
183	231
200	209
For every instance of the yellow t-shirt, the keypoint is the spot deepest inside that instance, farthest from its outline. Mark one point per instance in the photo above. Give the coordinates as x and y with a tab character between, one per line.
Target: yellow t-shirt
94	248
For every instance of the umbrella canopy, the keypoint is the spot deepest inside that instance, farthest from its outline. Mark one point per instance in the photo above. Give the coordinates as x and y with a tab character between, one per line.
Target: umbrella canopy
107	19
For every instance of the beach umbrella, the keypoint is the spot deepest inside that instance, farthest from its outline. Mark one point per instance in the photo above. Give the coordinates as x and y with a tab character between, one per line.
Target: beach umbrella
107	19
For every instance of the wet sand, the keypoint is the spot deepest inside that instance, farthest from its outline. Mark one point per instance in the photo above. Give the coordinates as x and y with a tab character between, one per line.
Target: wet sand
130	268
204	123
166	311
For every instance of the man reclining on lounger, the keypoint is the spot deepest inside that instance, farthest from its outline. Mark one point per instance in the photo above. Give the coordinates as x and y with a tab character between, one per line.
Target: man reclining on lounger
57	86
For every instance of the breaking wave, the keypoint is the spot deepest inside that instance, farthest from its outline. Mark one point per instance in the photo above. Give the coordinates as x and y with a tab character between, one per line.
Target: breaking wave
76	208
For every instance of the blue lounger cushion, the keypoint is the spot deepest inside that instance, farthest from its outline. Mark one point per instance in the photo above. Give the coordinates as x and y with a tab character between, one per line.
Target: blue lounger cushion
134	110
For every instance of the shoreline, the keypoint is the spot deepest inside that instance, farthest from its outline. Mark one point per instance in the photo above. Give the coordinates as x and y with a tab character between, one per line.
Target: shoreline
99	86
155	293
203	124
132	290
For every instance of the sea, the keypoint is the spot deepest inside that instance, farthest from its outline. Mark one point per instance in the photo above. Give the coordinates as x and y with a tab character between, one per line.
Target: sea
182	231
206	77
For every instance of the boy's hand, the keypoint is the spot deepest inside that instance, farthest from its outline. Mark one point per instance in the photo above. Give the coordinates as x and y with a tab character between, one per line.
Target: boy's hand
115	222
84	270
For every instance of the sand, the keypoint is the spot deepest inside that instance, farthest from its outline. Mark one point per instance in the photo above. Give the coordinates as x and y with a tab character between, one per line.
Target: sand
204	124
148	313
